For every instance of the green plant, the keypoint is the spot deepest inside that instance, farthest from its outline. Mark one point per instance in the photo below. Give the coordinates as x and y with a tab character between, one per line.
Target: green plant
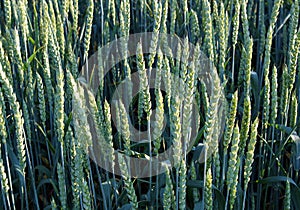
53	127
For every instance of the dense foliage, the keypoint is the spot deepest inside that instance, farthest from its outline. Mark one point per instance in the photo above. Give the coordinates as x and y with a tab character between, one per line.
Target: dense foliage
45	133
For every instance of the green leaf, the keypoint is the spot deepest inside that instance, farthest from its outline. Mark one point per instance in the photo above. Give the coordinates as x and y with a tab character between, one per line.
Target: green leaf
197	151
126	207
51	182
284	128
296	152
107	190
31	40
198	205
43	170
32	57
272	179
295	193
295	190
219	196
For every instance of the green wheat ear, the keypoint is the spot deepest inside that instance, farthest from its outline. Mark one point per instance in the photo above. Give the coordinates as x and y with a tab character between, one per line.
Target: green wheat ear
164	17
128	183
7	10
108	132
159	121
18	117
176	131
157	7
266	109
144	97
182	185
284	92
60	30
293	111
112	12
6	65
194	24
208	190
287	199
124	127
230	121
3	134
233	168
62	186
173	16
41	100
294	41
88	28
250	157
274	97
268	44
74	12
245	124
236	22
222	23
14	52
169	197
208	29
261	26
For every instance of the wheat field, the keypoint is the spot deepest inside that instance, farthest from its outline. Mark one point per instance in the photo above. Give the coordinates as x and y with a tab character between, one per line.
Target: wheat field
69	131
